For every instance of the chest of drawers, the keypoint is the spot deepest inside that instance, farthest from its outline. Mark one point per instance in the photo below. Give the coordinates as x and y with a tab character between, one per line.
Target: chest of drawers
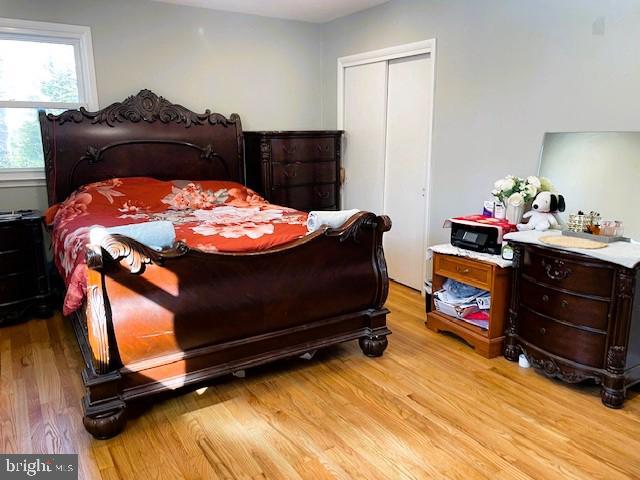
24	286
297	169
576	318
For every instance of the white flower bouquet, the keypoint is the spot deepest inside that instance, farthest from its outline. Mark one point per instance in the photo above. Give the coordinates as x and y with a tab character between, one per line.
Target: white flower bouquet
516	193
519	191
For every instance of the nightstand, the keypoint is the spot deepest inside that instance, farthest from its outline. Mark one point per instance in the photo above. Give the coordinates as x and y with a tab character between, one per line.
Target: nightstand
24	284
481	274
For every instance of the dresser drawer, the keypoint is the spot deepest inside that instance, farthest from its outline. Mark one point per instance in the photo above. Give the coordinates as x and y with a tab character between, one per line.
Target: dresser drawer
567	274
15	261
17	287
306	198
566	307
565	341
13	237
471	272
287	150
288	174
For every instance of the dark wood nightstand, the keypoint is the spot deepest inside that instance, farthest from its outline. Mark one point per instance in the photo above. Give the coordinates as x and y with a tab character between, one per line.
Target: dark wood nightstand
24	284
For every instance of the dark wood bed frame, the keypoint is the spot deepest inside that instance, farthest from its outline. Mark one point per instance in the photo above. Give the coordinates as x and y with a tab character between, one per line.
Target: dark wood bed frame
158	321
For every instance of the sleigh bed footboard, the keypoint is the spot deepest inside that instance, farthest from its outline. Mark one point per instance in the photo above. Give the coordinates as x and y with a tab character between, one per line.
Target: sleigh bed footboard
157	321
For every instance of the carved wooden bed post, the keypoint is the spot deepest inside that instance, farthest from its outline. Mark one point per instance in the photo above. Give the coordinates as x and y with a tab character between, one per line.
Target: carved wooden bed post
104	408
374	345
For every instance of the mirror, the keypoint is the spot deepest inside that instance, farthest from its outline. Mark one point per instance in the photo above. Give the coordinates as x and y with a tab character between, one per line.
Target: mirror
597	171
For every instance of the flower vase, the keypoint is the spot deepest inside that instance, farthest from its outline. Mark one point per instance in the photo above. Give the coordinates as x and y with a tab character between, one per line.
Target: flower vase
514	213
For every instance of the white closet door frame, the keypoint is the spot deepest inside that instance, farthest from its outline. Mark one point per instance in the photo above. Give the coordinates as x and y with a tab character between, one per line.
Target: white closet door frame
391	53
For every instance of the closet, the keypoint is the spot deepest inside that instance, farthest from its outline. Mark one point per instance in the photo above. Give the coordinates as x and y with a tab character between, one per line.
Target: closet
386	115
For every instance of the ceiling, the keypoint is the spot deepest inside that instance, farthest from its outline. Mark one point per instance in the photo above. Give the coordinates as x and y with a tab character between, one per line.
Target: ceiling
316	11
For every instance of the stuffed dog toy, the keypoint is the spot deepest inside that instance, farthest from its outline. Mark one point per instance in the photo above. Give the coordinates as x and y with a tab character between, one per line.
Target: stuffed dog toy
542	214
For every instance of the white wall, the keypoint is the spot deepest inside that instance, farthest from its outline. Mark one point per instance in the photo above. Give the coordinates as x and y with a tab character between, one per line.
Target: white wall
266	70
507	71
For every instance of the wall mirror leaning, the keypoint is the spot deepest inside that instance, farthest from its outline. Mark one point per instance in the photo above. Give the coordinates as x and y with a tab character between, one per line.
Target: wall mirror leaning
596	171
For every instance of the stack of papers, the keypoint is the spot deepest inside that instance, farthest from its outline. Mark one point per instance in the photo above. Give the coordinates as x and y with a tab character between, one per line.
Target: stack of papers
464	302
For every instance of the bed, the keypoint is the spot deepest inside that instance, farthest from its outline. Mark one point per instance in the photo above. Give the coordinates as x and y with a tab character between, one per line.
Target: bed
151	321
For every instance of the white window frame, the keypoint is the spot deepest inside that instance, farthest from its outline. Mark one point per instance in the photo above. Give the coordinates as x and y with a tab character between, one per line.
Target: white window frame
80	38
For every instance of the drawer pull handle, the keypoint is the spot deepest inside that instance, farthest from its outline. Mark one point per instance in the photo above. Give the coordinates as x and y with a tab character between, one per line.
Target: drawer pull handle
322	195
543	331
462	270
289	150
322	148
293	173
564	304
545	298
556	269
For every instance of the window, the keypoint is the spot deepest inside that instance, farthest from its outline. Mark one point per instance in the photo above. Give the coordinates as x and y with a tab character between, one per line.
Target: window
42	66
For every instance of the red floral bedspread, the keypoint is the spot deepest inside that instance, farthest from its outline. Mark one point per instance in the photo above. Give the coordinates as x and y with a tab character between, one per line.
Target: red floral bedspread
211	216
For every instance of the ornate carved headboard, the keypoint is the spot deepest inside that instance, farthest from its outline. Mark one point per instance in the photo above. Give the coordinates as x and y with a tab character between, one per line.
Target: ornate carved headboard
145	135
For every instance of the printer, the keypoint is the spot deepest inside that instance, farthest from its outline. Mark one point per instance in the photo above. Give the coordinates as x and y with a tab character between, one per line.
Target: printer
479	233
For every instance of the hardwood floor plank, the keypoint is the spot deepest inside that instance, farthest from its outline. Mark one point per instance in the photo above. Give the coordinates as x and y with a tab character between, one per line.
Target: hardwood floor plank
461	396
308	424
428	408
120	458
410	413
226	444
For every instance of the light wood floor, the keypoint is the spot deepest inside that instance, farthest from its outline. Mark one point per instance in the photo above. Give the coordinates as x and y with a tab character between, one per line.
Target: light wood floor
429	408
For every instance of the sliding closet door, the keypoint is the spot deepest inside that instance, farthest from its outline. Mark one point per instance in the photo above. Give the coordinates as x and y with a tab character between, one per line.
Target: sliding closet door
387	123
407	148
365	98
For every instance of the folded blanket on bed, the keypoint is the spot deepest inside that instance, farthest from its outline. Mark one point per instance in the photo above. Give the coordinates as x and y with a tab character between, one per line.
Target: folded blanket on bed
317	219
157	235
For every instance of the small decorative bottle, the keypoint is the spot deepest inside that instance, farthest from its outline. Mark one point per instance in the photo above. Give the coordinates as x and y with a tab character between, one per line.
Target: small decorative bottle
507	251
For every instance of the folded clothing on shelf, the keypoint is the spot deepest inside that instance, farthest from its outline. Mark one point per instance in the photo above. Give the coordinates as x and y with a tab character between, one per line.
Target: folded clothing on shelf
458	293
464	302
479	319
460	289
